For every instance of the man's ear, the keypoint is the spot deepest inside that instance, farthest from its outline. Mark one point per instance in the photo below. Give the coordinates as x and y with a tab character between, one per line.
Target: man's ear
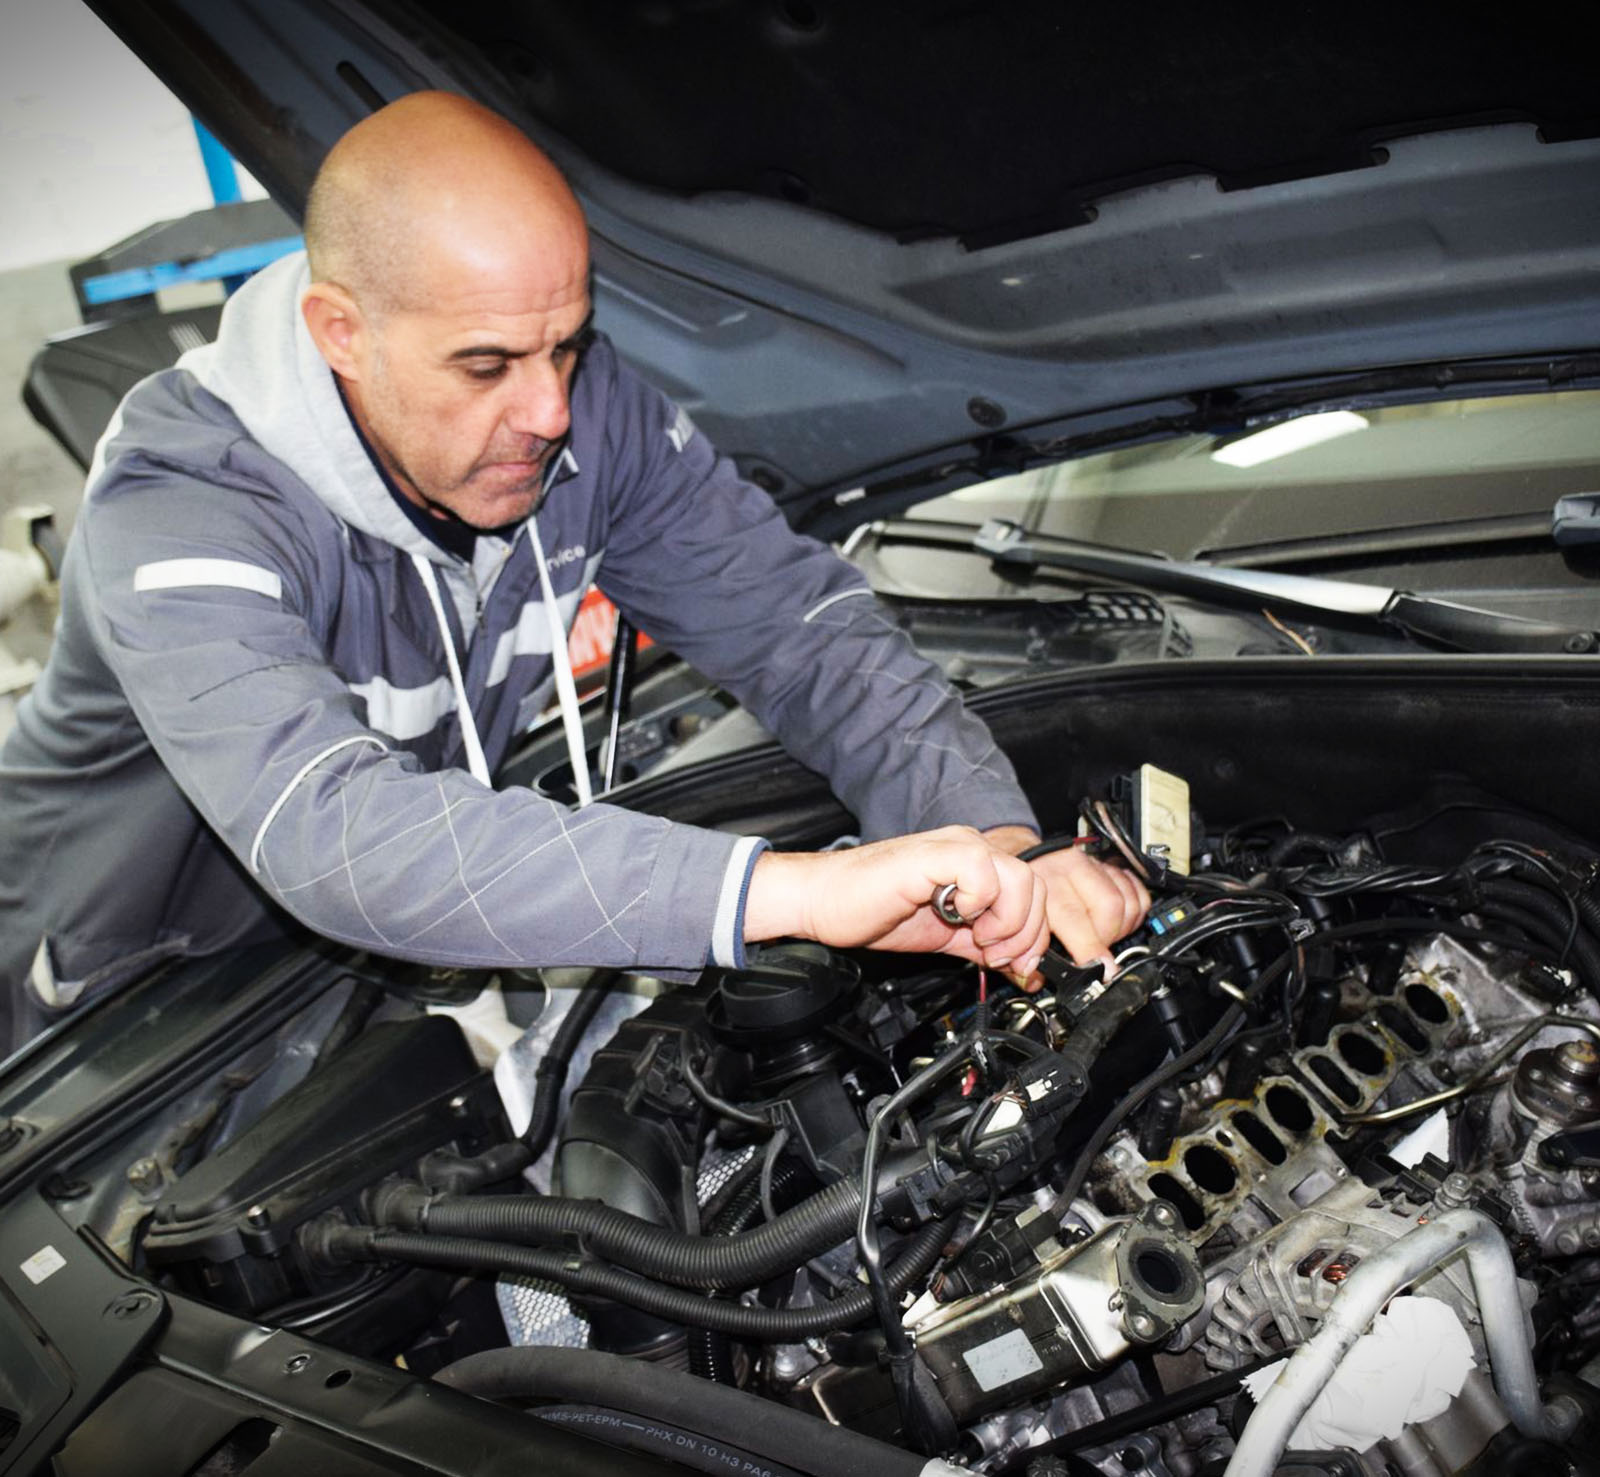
337	326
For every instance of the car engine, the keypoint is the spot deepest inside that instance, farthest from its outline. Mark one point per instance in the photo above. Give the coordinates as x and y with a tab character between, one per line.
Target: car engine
1129	1224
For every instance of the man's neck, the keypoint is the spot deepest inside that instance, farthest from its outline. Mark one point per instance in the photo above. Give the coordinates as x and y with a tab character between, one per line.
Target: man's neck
442	529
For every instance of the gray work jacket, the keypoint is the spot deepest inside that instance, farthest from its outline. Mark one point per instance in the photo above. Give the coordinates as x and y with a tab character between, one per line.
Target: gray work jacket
247	708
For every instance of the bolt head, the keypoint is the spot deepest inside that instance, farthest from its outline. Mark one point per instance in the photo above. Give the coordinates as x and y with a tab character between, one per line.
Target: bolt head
296	1363
1142	1325
258	1216
144	1175
985	413
131	1305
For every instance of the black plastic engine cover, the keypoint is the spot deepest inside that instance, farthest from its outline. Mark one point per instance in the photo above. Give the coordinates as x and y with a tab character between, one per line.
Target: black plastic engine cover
226	1229
630	1125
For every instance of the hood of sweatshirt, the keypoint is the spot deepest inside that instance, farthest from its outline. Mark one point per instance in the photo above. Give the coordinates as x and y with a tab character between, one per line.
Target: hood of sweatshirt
265	367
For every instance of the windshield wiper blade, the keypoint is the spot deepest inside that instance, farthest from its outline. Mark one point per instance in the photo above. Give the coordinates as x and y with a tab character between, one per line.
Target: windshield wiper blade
1463	627
1385	543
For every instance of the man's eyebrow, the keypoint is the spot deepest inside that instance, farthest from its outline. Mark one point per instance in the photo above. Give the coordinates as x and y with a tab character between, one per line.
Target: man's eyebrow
488	351
499	351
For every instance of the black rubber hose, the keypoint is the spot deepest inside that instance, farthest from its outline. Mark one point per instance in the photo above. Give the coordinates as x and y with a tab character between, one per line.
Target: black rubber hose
1559	917
1281	850
353	1015
457	1176
1567	949
675	1304
711	1356
711	1262
1562	925
1528	922
652	1392
1122	999
746	1175
1588	908
711	1351
551	1075
743	1209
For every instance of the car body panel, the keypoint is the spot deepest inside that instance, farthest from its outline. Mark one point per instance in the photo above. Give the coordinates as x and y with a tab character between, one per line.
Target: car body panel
822	353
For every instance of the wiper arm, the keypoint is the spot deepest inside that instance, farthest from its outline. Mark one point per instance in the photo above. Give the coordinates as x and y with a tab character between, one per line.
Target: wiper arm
1464	627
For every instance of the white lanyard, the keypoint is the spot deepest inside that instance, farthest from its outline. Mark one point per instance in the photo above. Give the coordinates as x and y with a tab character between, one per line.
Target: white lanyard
566	688
476	764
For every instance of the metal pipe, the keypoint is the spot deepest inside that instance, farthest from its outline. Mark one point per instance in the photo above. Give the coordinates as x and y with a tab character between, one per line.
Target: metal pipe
1359	1300
619	692
1479	1078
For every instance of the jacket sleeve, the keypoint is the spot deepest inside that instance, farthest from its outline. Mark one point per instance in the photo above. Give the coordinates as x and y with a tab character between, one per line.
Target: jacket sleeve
208	594
704	562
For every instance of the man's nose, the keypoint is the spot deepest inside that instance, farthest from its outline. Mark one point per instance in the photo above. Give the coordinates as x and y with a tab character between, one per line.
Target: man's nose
539	404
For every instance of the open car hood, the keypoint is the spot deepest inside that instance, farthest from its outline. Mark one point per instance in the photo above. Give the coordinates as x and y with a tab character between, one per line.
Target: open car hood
853	242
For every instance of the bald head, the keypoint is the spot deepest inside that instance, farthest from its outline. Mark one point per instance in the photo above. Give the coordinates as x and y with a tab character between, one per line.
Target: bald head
433	190
450	295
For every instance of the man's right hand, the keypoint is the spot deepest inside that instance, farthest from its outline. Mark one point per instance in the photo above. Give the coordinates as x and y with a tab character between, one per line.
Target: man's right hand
880	896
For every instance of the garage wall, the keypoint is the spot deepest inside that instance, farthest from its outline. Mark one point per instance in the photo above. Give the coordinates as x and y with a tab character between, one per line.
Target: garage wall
92	146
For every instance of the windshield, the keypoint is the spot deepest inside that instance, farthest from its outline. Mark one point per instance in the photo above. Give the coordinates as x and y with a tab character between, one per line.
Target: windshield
1323	475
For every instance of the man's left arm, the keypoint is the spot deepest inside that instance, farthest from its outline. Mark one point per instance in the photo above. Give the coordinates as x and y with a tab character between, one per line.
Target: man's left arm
707	565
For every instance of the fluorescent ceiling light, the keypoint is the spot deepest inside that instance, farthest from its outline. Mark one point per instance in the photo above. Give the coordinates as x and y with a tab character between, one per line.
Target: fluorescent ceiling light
1288	437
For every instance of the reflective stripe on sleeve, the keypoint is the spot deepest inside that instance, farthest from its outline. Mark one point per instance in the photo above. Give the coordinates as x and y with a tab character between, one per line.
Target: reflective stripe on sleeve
188	574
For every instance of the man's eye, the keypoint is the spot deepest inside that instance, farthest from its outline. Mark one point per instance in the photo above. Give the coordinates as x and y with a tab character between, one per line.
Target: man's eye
487	371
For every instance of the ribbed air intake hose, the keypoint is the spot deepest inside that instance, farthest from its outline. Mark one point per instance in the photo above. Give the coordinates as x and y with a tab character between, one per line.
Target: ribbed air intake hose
761	1325
710	1352
710	1262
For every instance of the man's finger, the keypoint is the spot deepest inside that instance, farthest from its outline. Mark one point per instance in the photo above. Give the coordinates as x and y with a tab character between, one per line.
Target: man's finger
1070	922
1015	931
1135	900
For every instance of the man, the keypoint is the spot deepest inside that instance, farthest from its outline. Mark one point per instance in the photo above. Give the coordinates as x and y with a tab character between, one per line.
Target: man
308	607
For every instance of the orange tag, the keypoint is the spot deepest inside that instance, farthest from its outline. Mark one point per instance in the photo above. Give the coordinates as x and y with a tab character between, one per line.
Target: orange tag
593	631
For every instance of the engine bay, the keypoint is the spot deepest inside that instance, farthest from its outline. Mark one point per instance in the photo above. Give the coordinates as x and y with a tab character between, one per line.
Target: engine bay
1073	1230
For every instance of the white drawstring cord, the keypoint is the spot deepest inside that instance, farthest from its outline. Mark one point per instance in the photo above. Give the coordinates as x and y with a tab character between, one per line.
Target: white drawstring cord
476	764
566	688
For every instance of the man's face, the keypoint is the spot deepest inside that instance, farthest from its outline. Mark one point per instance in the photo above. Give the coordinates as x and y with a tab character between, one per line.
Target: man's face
466	400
